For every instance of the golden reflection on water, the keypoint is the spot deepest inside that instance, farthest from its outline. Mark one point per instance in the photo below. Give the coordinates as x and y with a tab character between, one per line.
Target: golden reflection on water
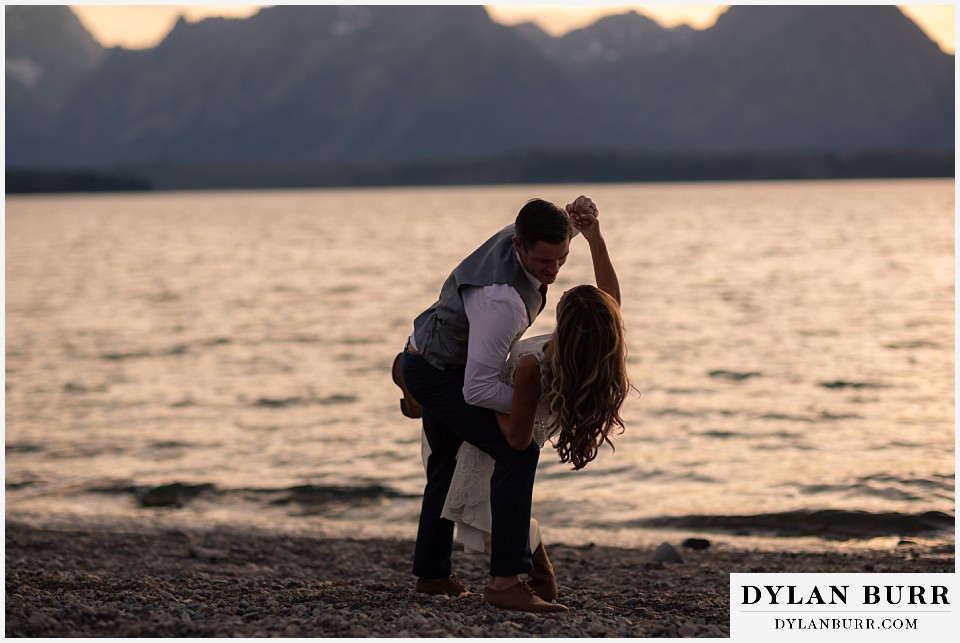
793	343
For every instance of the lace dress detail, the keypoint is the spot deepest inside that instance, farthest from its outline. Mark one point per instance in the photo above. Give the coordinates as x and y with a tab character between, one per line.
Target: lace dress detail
468	500
532	346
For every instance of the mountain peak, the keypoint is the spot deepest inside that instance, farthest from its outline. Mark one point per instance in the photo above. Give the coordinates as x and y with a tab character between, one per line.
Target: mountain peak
47	51
623	36
884	24
48	31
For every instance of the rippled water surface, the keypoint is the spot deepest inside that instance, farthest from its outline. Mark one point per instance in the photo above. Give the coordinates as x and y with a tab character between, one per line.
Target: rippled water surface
793	342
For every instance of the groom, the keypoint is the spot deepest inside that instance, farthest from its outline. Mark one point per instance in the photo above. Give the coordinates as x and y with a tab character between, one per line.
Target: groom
451	368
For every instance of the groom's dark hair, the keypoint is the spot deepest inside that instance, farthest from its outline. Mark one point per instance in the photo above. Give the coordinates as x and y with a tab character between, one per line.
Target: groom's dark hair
541	220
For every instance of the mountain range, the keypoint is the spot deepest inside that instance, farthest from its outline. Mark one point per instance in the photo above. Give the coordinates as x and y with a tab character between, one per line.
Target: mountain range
299	85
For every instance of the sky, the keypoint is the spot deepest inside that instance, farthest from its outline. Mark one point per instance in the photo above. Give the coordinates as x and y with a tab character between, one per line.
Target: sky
142	26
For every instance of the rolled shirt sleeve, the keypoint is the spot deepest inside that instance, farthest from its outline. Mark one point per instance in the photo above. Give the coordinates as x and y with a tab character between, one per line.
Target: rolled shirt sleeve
498	317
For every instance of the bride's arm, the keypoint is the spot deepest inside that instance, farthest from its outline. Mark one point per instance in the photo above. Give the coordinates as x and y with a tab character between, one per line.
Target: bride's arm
517	427
603	270
584	215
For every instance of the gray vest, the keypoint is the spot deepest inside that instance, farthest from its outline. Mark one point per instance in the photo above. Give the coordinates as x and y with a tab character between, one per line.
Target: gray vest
441	331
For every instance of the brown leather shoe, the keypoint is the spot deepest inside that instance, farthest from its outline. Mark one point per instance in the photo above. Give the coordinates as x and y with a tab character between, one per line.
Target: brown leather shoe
408	406
519	598
450	586
543	580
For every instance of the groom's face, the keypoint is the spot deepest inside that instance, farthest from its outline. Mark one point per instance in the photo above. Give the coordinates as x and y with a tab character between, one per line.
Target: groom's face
543	260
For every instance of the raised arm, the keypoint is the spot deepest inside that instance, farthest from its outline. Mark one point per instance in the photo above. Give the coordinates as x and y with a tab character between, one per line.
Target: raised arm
585	218
517	427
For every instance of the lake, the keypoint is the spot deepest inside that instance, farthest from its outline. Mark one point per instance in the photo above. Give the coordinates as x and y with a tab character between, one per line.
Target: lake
793	343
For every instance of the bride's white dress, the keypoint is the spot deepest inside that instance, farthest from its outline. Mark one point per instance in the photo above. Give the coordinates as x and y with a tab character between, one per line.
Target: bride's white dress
468	500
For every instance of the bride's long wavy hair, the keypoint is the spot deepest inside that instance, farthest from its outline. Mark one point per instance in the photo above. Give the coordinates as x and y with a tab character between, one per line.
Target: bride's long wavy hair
587	367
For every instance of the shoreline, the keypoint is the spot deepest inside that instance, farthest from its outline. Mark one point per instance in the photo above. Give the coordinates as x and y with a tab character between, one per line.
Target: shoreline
382	528
148	580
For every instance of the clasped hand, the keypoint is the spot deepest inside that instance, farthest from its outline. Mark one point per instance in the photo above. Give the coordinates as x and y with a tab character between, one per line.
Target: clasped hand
584	217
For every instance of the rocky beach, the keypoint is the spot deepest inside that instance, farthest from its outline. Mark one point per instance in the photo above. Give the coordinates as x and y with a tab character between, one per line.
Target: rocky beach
136	581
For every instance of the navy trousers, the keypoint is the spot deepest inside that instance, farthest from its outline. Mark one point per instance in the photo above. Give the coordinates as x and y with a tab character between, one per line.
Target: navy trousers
448	422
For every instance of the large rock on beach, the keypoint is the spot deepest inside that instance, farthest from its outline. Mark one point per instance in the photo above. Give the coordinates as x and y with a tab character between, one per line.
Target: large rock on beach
172	495
696	543
666	553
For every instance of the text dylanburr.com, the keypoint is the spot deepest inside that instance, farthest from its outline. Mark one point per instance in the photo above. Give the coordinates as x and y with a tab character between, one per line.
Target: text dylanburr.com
843	607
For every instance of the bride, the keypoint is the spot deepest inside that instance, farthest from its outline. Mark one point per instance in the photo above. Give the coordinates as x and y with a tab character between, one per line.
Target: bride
568	388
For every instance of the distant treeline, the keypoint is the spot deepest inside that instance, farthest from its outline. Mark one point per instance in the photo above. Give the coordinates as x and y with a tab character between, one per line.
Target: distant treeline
45	181
526	167
568	167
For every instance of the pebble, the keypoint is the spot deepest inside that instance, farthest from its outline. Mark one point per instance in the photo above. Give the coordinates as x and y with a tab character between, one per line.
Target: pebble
715	631
298	586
